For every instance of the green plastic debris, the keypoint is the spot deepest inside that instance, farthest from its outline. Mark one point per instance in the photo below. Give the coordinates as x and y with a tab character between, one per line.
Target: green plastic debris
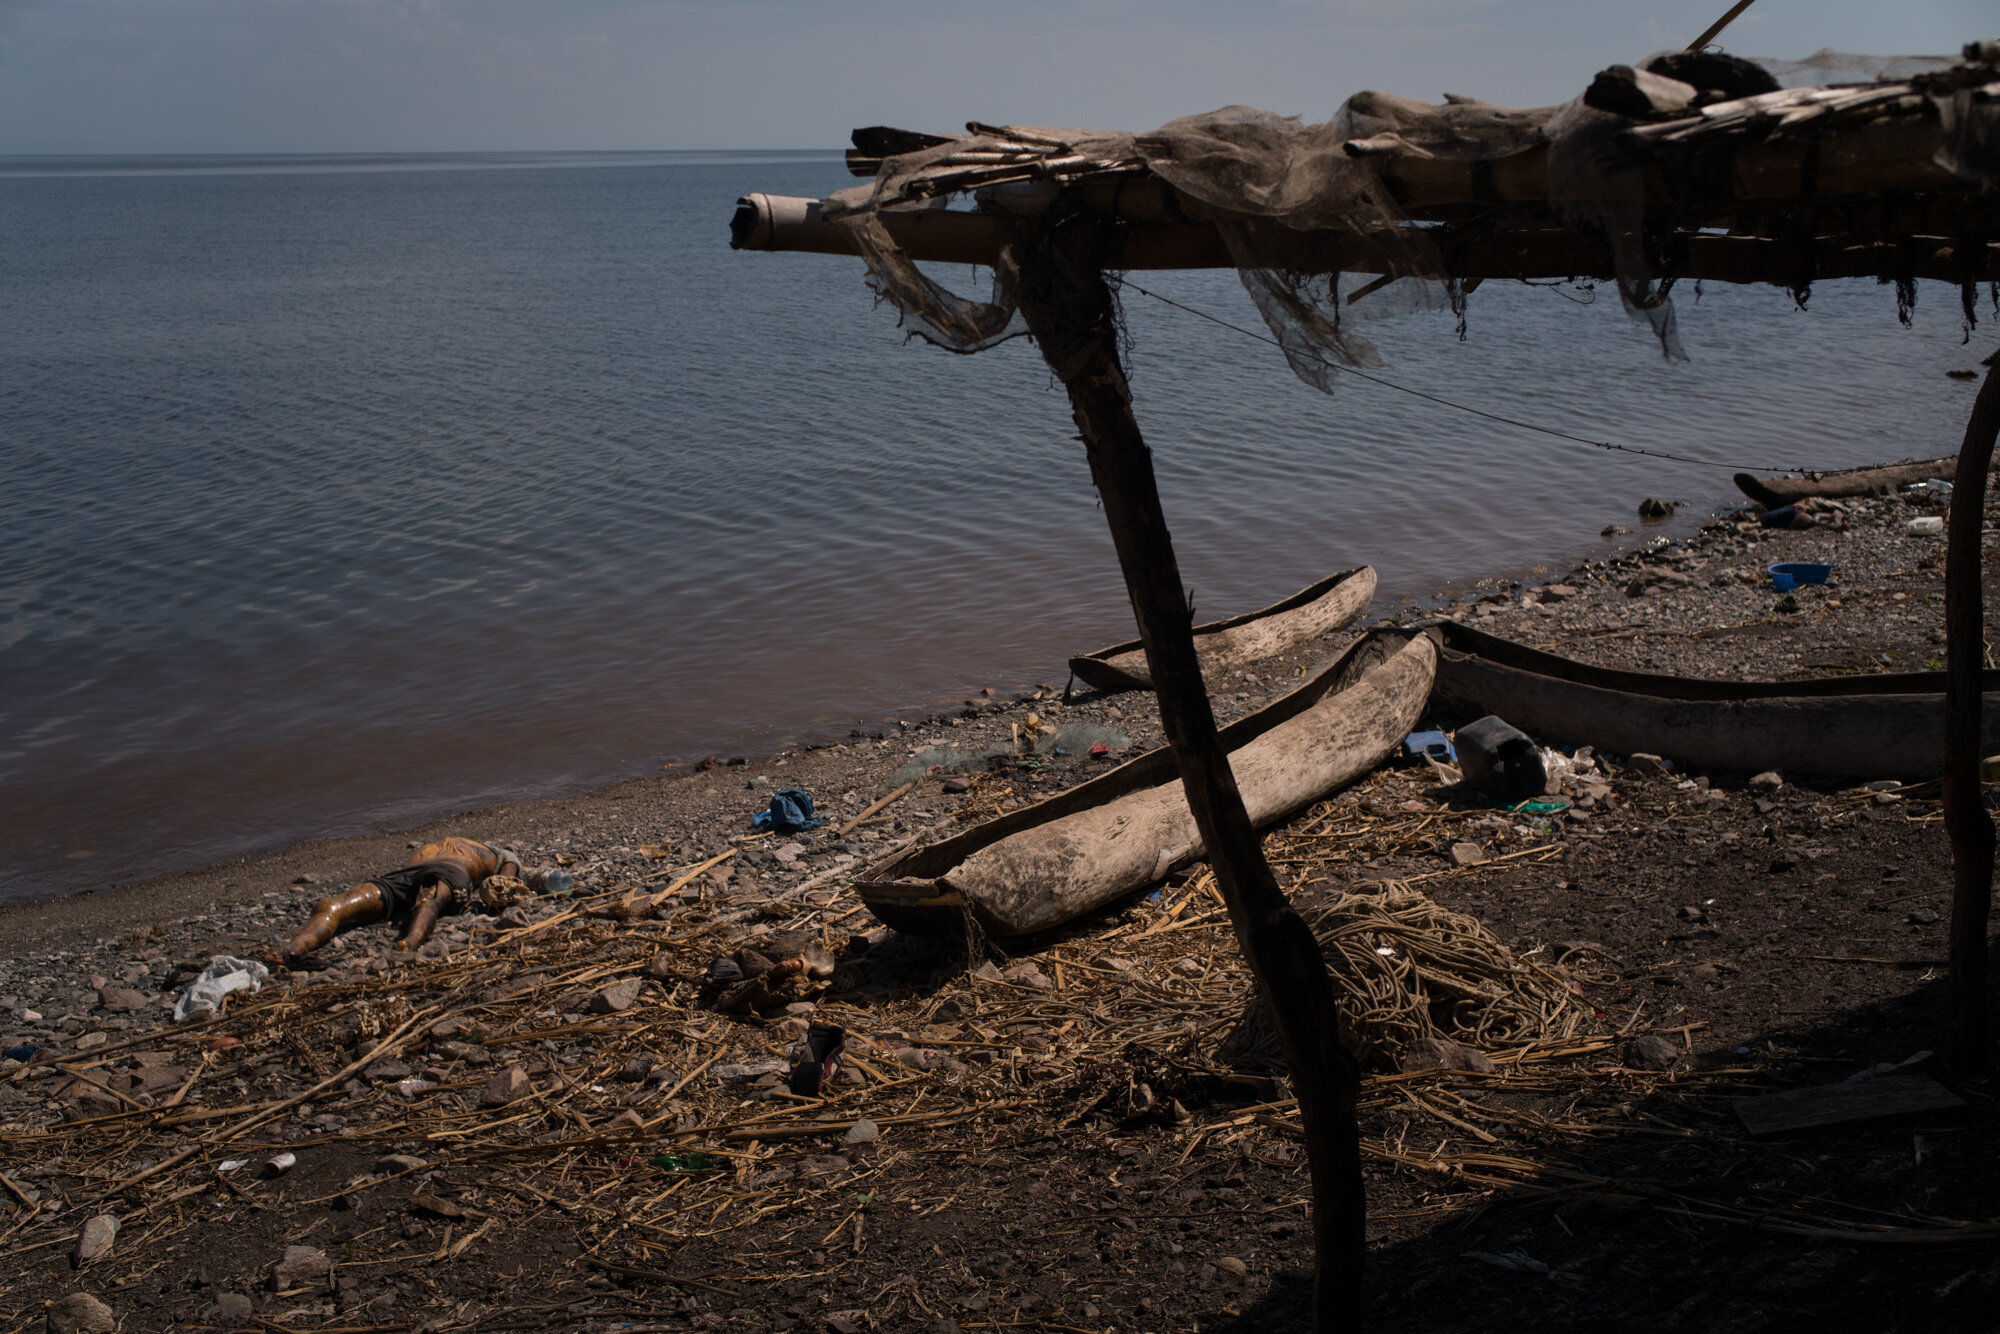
684	1162
1538	808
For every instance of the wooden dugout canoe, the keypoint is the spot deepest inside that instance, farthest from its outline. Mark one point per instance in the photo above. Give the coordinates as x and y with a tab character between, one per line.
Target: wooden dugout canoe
1034	869
1223	646
1772	492
1877	726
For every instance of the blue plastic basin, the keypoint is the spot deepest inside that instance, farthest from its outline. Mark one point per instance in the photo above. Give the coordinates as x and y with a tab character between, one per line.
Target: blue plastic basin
1788	575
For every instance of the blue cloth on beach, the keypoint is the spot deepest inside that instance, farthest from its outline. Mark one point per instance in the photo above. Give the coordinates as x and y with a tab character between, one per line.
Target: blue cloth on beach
791	811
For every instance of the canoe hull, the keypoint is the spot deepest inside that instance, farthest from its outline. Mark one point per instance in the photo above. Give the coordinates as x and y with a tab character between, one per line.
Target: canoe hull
1224	646
1034	869
1889	726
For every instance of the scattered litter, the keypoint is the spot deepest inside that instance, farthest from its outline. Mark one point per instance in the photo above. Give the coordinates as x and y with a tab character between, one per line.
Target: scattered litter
1433	743
1930	525
21	1053
1787	575
225	974
281	1164
825	1044
1500	761
1523	1263
791	812
684	1162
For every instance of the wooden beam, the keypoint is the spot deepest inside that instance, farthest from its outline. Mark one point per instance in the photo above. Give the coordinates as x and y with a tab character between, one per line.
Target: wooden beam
1970	828
1070	312
775	222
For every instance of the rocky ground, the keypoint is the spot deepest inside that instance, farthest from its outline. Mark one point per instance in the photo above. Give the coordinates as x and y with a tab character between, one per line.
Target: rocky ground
546	1121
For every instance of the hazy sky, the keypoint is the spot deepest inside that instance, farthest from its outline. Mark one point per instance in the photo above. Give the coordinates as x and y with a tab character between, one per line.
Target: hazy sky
135	76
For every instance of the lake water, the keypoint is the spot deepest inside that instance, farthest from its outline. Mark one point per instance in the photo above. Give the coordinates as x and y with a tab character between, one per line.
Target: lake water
338	493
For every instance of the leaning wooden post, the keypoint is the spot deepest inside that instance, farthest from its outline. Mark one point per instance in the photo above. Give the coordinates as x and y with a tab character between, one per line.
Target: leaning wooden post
1069	310
1965	819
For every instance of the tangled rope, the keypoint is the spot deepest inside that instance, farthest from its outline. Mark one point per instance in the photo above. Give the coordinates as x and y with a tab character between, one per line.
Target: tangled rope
1405	969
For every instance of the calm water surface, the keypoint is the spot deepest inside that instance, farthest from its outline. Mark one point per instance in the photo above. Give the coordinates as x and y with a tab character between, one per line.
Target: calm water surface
342	492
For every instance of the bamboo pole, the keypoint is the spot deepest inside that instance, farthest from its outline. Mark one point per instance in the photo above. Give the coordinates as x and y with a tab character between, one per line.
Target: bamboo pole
1069	310
1966	822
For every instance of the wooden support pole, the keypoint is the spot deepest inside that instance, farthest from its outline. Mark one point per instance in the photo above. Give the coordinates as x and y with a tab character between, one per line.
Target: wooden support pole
1069	310
1970	828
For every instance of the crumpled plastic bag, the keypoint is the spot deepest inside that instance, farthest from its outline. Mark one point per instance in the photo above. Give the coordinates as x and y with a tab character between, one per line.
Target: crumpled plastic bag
225	973
791	811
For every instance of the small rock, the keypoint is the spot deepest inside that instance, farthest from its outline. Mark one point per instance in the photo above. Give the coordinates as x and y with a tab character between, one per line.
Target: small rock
1558	592
92	1041
94	1242
505	1087
1767	782
234	1308
1028	975
1443	1054
382	1072
617	998
1648	764
629	1119
1650	508
398	1163
1923	917
987	972
636	1070
1613	530
122	999
661	968
1467	854
81	1313
1229	1264
302	1267
1651	1052
958	785
863	1131
1692	913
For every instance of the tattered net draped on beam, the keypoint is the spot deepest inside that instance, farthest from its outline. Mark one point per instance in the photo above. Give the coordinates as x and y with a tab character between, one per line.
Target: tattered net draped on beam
1648	161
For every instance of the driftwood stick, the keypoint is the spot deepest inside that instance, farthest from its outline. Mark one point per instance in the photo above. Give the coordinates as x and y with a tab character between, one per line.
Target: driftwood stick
1970	828
1069	310
893	797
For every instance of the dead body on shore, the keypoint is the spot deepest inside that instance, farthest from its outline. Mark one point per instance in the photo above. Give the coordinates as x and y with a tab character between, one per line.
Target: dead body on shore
453	875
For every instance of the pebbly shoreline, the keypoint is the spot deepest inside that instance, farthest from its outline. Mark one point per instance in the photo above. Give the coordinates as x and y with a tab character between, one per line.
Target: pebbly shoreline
1699	605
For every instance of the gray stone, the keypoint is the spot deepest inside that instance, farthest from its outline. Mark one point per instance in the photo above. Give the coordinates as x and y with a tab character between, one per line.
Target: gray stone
1443	1054
1767	782
234	1306
94	1242
617	998
505	1087
863	1131
92	1041
81	1313
303	1266
1651	1052
399	1163
122	998
386	1071
1647	763
1466	854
